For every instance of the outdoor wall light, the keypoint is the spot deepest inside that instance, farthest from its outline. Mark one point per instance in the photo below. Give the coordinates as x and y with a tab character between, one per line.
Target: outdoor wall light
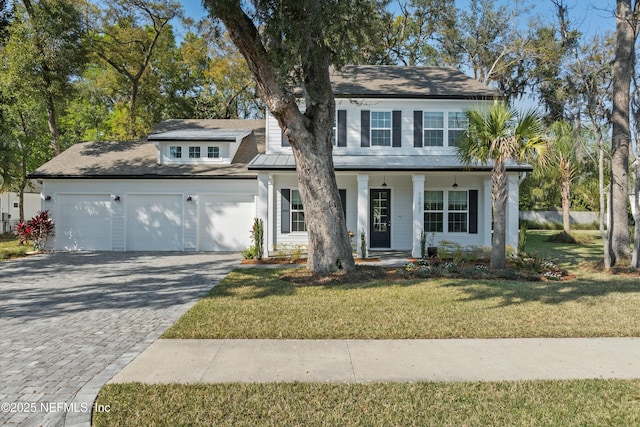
117	198
455	182
189	198
47	198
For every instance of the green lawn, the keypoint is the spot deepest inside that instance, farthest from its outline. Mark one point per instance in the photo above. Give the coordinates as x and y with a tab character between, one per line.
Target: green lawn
568	255
528	403
255	303
9	247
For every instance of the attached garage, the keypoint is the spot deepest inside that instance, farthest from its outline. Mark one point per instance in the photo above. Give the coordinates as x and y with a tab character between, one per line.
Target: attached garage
186	187
154	222
83	222
225	222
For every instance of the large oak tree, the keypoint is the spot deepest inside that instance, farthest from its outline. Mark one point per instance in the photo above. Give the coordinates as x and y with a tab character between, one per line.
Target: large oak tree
289	46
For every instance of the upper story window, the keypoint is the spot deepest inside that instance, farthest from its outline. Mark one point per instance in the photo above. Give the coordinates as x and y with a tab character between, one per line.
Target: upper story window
458	125
213	152
381	128
334	131
194	152
433	129
175	152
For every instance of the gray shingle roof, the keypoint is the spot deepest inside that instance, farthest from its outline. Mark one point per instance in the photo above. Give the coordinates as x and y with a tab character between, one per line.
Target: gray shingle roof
138	159
389	81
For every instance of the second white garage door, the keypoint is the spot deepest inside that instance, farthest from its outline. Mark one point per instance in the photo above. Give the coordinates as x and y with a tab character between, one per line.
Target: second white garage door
154	222
225	222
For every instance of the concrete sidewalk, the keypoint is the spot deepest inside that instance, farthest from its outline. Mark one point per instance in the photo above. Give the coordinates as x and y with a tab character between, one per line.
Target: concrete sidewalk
361	361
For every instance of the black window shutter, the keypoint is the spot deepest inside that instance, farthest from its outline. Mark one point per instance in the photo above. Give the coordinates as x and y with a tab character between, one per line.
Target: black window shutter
284	141
473	211
418	133
342	128
396	129
343	200
285	214
365	128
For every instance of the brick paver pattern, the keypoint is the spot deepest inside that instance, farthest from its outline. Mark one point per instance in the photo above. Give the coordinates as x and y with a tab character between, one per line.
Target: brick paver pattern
70	321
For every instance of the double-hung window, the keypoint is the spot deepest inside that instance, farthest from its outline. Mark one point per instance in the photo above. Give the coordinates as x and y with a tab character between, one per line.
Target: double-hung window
433	211
194	152
213	152
297	212
450	205
433	129
458	124
381	128
458	211
175	152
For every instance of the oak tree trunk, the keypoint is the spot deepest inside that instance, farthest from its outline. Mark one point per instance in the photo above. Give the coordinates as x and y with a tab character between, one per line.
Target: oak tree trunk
309	133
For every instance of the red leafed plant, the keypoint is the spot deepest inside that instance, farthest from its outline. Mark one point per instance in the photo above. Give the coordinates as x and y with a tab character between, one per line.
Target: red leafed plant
37	229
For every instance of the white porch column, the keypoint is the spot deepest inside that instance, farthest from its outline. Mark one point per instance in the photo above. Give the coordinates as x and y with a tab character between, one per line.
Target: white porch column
263	207
486	226
418	213
512	212
363	212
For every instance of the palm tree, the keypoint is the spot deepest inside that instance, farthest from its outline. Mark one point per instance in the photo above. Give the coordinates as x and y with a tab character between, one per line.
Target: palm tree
497	134
563	159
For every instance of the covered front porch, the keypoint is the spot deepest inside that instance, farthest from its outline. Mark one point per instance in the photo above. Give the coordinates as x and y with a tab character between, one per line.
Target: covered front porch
391	209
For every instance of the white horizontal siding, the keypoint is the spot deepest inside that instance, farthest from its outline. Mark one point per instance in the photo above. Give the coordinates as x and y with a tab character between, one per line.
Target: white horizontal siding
353	108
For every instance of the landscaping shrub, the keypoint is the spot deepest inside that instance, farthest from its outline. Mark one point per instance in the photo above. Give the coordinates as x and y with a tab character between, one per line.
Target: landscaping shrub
38	229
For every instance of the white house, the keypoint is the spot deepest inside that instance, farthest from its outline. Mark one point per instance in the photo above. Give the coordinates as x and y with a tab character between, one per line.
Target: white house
197	185
10	207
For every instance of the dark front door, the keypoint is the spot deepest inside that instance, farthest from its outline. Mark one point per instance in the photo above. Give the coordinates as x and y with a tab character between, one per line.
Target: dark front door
380	218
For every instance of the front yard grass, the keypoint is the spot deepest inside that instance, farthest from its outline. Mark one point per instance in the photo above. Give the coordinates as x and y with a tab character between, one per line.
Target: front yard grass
255	303
9	247
526	403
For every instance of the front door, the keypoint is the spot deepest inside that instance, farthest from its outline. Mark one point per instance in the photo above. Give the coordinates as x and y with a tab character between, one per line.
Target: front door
380	218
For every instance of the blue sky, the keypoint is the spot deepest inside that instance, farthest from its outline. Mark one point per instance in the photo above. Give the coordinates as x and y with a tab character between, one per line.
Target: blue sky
589	16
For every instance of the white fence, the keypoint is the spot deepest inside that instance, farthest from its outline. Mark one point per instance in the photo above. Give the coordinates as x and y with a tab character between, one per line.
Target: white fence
576	217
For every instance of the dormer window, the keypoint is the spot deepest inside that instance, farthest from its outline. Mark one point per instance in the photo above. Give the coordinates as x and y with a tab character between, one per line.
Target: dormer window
213	152
175	152
381	128
194	152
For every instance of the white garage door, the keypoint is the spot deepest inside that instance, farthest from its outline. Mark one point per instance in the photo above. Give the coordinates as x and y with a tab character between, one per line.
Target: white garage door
225	222
154	222
84	222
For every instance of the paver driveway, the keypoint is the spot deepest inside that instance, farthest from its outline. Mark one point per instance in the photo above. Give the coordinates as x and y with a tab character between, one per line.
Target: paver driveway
70	321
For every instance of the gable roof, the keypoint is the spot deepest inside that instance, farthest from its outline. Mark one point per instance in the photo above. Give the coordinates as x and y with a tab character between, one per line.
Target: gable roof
390	81
138	159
